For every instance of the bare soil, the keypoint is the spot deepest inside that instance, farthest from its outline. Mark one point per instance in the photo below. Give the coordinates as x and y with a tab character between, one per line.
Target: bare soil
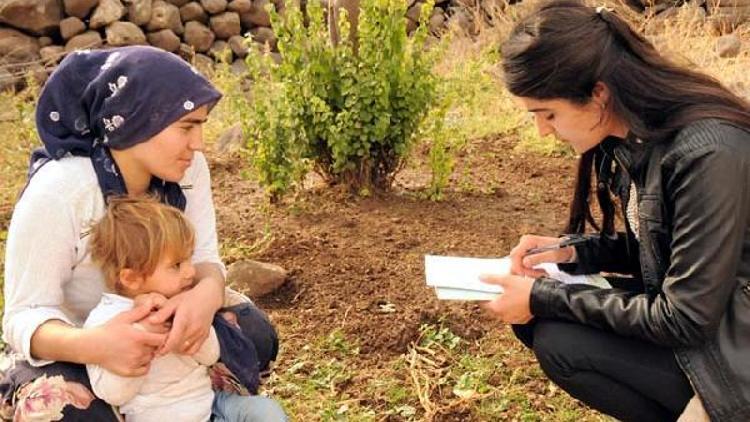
352	258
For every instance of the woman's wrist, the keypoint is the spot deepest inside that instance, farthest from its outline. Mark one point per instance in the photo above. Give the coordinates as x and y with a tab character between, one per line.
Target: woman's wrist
213	289
210	283
89	346
58	341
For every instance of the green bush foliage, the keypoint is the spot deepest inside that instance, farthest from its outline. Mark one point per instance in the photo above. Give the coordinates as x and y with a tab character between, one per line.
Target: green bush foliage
349	110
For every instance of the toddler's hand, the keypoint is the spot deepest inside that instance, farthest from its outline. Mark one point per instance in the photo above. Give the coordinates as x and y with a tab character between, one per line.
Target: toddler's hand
154	301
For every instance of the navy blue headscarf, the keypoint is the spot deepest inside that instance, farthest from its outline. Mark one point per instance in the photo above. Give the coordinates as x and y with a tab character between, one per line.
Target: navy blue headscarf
113	99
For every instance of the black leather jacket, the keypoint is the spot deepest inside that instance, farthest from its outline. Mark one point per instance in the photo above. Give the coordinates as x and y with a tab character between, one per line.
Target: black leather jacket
693	257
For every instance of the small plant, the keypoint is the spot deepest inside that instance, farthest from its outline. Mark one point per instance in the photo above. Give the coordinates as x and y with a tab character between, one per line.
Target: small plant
350	113
443	336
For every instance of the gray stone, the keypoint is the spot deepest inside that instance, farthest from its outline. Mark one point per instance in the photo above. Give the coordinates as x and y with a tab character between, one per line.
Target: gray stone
52	54
352	13
725	19
226	25
414	12
164	39
44	41
728	46
264	36
186	52
70	27
107	12
231	139
17	47
279	5
492	7
411	25
460	20
204	64
193	12
165	16
214	6
219	50
79	8
39	17
139	11
257	16
239	47
695	14
85	41
437	22
240	6
125	33
199	36
256	278
739	88
239	67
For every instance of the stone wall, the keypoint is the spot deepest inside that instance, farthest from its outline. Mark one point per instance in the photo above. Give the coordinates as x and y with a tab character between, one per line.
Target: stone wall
722	15
36	34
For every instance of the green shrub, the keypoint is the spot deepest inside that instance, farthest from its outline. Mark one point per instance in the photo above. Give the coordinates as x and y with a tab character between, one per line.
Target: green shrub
349	110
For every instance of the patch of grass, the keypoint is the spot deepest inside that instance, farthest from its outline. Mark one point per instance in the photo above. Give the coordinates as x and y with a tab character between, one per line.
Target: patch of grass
19	137
315	382
236	249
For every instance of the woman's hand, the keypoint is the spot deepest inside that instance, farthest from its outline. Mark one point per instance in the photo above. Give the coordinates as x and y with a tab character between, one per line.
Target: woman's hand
523	264
193	315
126	348
513	306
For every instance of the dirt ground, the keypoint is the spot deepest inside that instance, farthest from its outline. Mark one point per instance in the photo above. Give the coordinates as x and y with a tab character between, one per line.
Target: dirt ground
353	258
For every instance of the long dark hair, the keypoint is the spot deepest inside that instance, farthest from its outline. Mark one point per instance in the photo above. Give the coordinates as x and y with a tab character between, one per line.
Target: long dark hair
564	48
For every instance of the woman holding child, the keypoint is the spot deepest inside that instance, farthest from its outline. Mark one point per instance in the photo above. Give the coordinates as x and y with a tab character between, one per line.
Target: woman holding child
673	146
113	122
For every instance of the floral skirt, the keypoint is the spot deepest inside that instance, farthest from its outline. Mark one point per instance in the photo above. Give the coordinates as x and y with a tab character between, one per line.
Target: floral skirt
59	391
62	391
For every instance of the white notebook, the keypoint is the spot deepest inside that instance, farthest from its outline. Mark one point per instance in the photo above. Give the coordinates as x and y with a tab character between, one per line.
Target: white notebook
457	278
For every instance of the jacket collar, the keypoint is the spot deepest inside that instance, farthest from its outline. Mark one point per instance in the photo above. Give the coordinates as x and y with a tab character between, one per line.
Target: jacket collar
629	152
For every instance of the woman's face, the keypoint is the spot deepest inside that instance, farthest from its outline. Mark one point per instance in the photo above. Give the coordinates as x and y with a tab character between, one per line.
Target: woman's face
169	154
581	126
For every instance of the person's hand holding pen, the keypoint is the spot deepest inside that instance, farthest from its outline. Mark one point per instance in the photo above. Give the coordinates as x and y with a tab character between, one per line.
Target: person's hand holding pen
514	305
533	250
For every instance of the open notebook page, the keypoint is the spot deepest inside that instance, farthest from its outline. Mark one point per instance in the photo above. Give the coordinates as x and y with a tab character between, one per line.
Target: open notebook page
451	272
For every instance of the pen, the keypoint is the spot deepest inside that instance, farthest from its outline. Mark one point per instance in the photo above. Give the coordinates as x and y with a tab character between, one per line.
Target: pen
567	241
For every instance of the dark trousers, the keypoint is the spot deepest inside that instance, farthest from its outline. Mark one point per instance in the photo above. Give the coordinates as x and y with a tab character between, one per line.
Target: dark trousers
629	379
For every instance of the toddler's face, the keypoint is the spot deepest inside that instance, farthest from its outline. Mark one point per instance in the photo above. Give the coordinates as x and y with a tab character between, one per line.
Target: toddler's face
172	276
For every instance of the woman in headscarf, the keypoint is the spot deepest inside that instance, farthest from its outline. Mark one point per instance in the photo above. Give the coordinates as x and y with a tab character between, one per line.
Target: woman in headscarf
116	122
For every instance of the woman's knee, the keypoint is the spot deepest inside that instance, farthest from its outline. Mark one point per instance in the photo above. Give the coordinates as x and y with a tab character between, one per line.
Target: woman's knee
525	333
556	345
